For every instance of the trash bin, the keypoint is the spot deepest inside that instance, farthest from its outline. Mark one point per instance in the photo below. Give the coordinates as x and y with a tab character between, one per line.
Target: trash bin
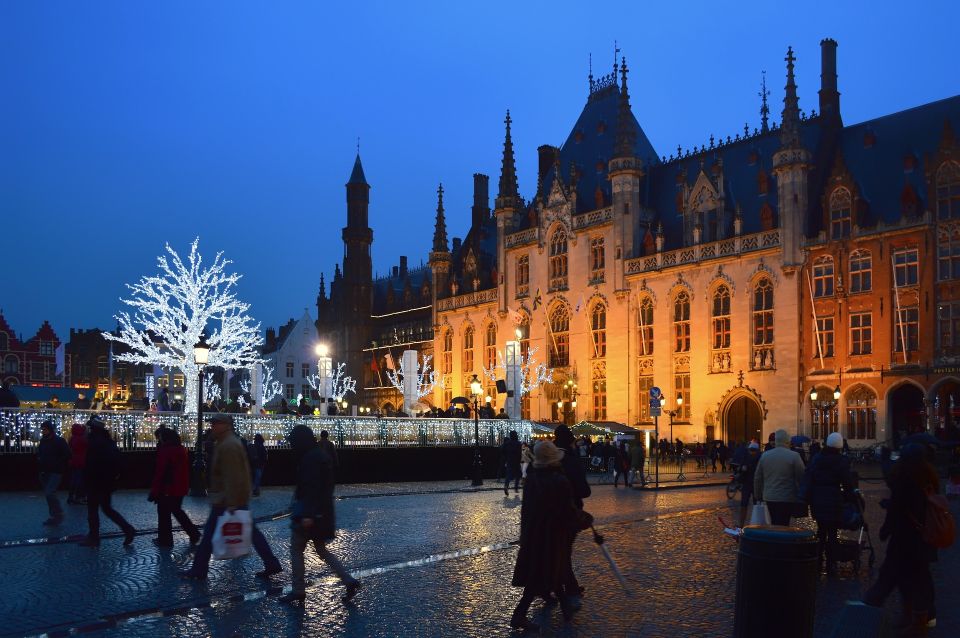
776	582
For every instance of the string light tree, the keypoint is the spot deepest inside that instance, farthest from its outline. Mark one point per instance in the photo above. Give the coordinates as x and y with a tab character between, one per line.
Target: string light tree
268	387
172	310
414	380
522	374
334	386
211	390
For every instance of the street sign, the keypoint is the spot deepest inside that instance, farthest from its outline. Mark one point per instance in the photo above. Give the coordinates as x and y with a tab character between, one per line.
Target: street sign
654	409
654	394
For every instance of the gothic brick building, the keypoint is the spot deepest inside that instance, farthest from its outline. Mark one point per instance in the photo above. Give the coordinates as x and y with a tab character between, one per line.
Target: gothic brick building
32	361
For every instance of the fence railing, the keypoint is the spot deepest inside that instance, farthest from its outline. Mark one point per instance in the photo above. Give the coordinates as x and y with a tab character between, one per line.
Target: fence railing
20	429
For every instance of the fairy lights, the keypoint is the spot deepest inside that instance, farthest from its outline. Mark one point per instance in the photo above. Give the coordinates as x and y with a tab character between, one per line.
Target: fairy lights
532	373
340	383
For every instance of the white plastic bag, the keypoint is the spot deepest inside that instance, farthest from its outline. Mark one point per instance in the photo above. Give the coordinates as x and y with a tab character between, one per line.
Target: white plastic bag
760	515
232	537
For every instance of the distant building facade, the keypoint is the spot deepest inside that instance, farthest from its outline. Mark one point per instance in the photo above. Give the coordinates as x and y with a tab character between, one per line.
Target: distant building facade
29	362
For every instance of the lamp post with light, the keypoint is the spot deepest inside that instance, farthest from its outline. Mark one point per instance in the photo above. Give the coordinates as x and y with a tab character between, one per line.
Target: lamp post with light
476	389
198	483
824	405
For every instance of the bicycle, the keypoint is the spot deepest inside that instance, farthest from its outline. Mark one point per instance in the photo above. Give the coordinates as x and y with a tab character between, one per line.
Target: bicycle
734	486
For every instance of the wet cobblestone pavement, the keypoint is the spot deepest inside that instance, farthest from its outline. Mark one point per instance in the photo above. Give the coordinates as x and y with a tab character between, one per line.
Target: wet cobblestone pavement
434	560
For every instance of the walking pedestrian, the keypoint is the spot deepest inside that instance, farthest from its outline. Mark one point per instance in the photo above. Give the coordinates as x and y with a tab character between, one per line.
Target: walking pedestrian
777	479
171	479
722	453
78	459
229	491
714	455
637	462
257	452
163	402
313	516
549	521
747	470
511	457
907	564
100	480
577	476
330	449
526	458
53	453
828	484
621	465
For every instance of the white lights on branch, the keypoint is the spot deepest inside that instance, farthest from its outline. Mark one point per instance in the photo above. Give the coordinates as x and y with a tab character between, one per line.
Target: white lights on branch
211	389
269	388
532	373
340	384
422	375
171	311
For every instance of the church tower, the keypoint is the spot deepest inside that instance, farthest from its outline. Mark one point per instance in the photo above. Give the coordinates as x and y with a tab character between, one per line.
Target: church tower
791	164
625	171
357	282
508	204
440	257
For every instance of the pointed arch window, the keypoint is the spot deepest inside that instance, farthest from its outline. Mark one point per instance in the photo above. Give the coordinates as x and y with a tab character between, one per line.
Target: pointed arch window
762	324
861	271
467	349
558	260
681	322
597	260
560	336
862	413
645	326
598	330
824	414
948	191
447	360
523	276
490	347
948	253
823	277
721	318
840	204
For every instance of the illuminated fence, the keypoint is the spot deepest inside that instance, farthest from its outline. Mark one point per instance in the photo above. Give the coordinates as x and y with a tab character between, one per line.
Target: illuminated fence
134	430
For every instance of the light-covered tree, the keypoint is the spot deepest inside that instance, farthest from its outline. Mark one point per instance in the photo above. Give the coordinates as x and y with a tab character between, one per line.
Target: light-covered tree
532	373
340	383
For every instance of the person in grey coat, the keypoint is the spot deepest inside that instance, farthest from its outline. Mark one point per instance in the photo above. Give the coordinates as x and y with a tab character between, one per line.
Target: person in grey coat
777	479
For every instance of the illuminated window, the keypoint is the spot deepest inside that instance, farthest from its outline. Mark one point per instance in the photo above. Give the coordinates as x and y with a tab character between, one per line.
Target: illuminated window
598	330
558	260
823	277
646	382
861	414
681	389
468	349
490	347
948	191
763	313
861	271
840	202
721	318
645	326
560	339
447	361
905	266
597	260
523	276
600	399
681	322
824	415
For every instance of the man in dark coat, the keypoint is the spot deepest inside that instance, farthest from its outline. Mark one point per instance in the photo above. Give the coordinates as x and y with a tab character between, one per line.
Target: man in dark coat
511	456
828	485
100	480
548	522
82	403
577	475
52	456
163	401
7	397
313	518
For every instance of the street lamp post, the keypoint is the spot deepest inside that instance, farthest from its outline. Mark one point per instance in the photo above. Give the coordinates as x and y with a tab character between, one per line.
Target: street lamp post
198	484
825	405
476	388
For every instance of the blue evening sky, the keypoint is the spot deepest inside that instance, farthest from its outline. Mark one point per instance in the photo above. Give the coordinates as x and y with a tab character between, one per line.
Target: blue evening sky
127	124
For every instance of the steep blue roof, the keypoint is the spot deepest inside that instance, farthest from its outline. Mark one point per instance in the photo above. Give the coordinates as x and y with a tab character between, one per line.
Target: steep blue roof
356	176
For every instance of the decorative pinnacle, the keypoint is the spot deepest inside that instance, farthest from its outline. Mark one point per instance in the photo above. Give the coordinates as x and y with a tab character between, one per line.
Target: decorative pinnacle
626	135
509	191
790	119
764	109
440	230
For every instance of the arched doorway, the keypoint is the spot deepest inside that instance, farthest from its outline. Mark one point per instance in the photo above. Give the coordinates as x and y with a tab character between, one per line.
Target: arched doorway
907	412
742	421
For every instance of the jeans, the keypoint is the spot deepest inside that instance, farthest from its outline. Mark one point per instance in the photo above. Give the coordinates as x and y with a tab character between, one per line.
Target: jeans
298	543
173	505
257	477
76	483
201	560
99	499
905	570
50	482
513	474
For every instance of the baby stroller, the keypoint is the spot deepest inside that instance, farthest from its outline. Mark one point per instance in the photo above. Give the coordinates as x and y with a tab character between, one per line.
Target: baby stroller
850	546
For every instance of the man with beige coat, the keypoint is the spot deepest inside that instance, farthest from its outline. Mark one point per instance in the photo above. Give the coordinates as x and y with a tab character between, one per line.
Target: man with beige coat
229	491
777	479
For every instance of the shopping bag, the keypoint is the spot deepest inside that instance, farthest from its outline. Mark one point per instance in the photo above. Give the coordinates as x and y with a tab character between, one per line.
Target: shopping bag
760	515
233	534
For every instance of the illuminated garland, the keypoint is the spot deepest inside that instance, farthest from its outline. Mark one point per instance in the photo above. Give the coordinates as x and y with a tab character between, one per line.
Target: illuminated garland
540	372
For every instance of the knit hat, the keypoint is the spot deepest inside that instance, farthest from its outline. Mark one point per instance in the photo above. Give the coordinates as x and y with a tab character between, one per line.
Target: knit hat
546	453
563	435
835	440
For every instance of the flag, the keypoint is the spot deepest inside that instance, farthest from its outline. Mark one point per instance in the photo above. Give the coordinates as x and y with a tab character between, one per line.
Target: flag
388	358
61	357
580	304
537	300
373	364
515	316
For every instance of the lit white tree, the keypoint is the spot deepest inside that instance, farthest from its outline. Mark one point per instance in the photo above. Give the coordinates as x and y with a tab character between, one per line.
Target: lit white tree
532	373
340	383
211	390
173	309
269	388
425	378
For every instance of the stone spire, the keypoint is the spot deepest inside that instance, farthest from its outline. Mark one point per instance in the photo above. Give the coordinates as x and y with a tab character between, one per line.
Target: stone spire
626	135
790	125
764	109
440	230
508	195
323	288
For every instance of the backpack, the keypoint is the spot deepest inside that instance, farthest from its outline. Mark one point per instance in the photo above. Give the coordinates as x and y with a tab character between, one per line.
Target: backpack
939	529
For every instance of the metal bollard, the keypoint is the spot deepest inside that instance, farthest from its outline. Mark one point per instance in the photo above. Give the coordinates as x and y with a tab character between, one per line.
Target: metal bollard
776	582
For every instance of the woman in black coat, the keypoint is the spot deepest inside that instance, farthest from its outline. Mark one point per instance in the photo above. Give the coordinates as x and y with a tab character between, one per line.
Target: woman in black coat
829	485
100	480
548	520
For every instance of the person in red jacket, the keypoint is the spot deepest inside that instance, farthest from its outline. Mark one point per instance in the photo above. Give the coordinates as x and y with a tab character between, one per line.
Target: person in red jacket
170	483
78	460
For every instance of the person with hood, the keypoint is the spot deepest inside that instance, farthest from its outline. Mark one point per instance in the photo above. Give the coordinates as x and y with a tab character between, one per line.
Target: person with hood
828	484
100	480
78	460
313	516
747	470
907	564
229	491
549	520
777	479
577	476
512	458
171	480
52	456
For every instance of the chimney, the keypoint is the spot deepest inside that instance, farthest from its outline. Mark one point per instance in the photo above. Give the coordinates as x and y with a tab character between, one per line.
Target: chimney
456	244
403	266
396	271
271	340
548	156
829	96
481	199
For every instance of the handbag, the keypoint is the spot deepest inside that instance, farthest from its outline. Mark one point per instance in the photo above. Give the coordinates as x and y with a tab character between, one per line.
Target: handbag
233	535
760	514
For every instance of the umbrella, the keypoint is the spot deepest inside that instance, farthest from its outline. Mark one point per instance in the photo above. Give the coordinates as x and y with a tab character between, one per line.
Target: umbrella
460	400
598	539
799	439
